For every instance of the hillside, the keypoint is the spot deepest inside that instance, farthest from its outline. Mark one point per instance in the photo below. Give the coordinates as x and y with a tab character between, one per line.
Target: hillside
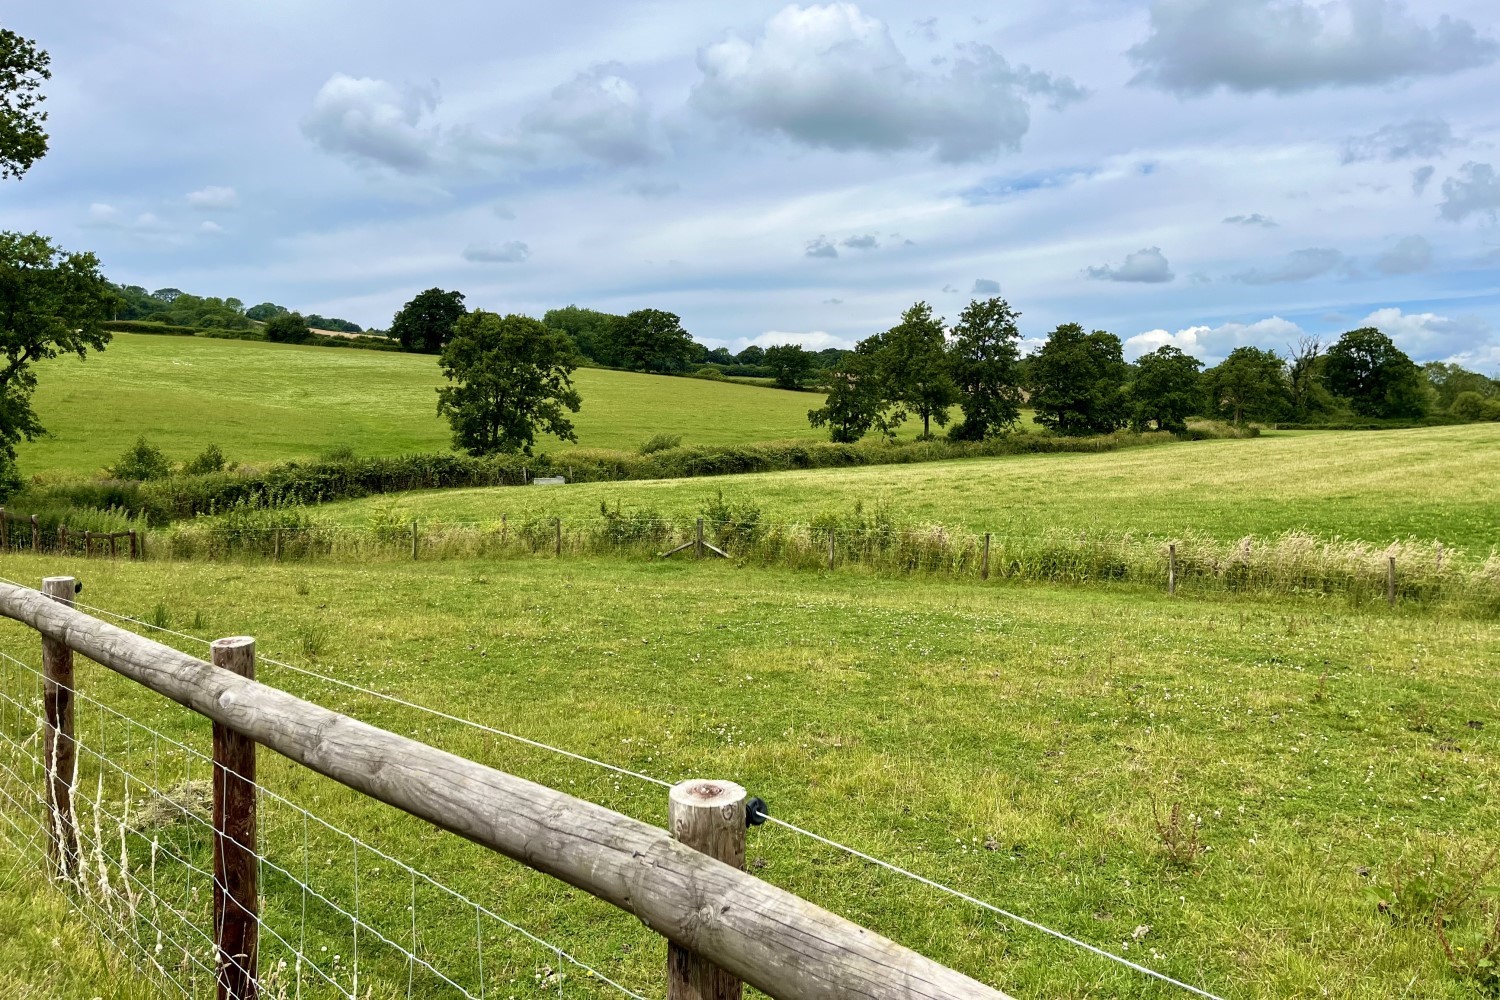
1432	483
260	402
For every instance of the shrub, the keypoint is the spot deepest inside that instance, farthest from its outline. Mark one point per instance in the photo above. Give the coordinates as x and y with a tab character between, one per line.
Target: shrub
211	459
1468	406
288	328
710	373
142	461
660	442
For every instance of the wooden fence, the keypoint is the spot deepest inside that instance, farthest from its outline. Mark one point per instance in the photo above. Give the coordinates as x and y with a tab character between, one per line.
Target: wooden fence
723	926
24	531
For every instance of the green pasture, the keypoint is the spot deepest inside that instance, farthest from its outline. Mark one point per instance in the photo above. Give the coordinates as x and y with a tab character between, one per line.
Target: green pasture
1376	486
264	402
998	739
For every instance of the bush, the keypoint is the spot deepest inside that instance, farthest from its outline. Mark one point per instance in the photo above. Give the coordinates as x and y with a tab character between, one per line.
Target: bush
211	459
1468	406
710	373
148	326
142	461
660	442
288	328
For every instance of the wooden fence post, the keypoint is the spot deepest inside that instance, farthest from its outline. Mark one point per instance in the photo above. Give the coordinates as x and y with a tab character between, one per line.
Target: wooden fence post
236	931
276	544
504	529
414	538
709	817
59	753
984	562
1172	568
134	550
1390	580
88	544
114	544
557	548
698	552
831	536
4	530
36	535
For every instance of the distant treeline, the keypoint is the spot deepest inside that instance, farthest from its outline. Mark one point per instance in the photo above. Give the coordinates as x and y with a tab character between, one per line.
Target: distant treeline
174	307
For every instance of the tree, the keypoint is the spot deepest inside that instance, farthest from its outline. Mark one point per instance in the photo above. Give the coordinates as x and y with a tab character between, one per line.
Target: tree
856	401
752	355
1450	381
984	359
426	322
1250	383
143	461
51	303
1376	376
265	311
652	340
914	367
288	328
1165	389
1077	381
1306	370
512	378
23	135
592	331
790	363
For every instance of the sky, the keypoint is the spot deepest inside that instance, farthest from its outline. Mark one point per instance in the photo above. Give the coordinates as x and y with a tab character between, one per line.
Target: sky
1204	173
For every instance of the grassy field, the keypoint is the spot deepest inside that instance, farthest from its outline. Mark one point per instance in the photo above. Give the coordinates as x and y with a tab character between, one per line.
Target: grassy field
999	740
1432	483
261	402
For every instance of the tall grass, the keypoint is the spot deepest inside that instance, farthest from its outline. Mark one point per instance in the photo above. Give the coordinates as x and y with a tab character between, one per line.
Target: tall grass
874	540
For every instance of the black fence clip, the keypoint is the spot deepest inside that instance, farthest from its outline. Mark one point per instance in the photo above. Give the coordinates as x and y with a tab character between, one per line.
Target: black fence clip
756	811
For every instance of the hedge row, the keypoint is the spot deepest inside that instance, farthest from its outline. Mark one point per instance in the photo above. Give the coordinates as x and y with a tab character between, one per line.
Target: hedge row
306	483
317	339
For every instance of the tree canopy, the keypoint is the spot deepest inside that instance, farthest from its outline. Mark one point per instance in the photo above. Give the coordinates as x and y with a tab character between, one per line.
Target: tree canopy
51	303
23	133
913	363
1077	381
426	322
791	364
1250	383
592	331
287	328
857	401
1375	375
1164	390
511	379
984	359
652	340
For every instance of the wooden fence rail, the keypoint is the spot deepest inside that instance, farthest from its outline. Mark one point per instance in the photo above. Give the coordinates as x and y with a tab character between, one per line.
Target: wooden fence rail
751	930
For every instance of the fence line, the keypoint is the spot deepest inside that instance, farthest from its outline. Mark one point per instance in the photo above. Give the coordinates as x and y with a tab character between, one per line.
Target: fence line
65	539
764	816
763	935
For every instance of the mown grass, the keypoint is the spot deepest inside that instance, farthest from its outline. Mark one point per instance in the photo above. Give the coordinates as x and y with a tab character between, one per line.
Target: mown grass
1430	483
263	402
998	739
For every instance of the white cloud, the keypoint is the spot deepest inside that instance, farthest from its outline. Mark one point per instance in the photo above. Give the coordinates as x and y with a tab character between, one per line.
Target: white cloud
1213	344
106	216
1299	265
599	113
831	77
1420	178
210	228
372	121
1475	191
1428	336
213	199
512	252
1418	138
985	286
867	241
1286	46
101	214
813	340
1410	255
1147	265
